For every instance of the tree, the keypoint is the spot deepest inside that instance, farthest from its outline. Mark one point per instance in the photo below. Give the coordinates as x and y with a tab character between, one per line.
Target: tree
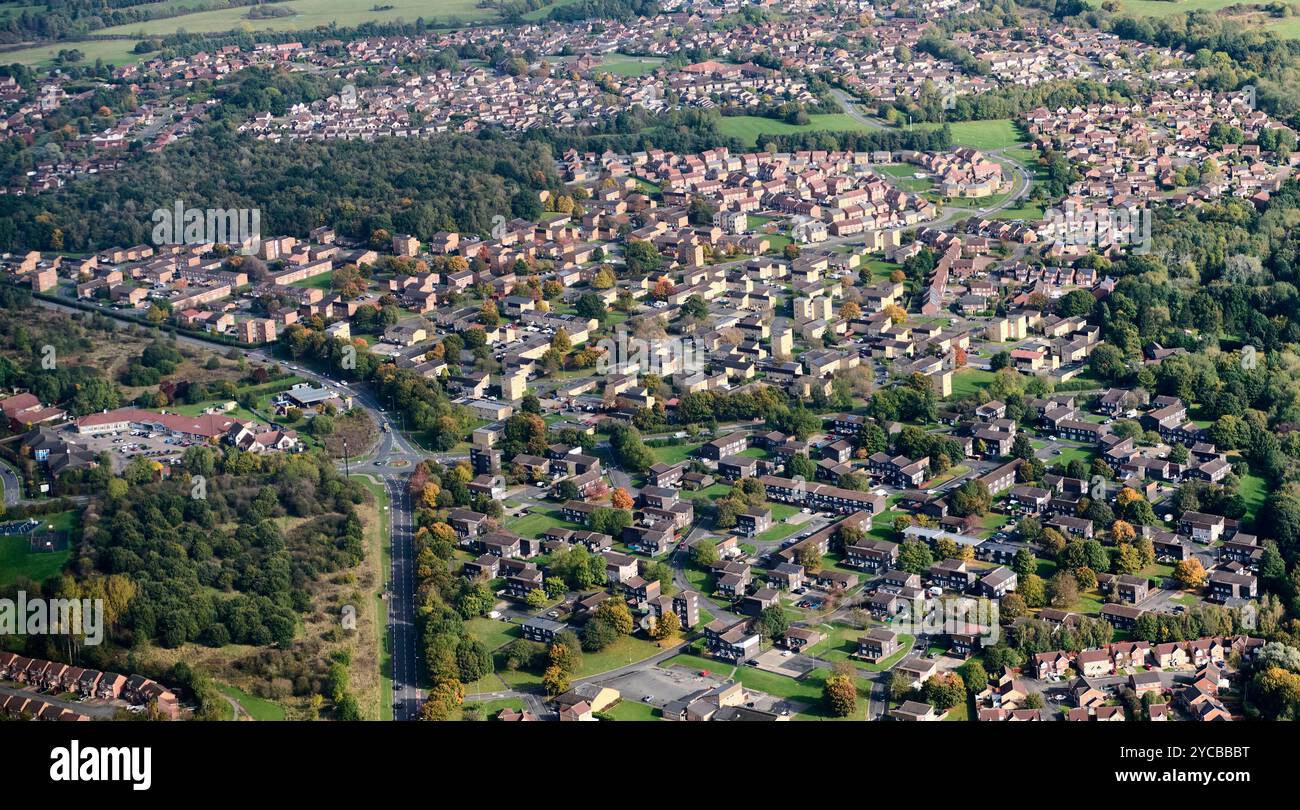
1022	447
555	587
615	611
621	499
772	622
971	498
555	681
667	626
945	690
808	556
598	634
1033	590
1062	589
1013	606
840	694
1128	560
446	695
914	557
1190	573
537	599
1024	563
974	674
705	552
472	659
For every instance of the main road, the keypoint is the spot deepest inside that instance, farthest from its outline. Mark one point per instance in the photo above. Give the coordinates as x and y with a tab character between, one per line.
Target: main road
391	460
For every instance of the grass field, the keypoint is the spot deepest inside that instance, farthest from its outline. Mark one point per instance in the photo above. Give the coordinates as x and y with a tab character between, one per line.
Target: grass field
112	51
969	381
621	65
308	14
995	133
780	531
535	524
748	127
633	710
842	641
1254	491
258	708
627	650
1287	28
17	561
904	176
674	453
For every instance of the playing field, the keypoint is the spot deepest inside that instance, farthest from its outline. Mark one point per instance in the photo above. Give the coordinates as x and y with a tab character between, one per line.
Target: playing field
995	133
1288	27
112	51
621	65
748	127
308	14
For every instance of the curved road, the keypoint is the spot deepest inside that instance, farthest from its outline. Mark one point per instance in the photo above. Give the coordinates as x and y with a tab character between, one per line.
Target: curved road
396	458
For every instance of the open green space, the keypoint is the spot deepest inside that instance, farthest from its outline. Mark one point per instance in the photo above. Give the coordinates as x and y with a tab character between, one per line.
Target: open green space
674	453
748	127
537	522
779	531
995	133
17	560
622	65
634	711
258	708
968	381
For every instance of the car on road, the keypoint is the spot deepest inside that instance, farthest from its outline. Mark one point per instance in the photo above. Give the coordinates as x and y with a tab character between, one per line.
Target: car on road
647	698
753	662
554	614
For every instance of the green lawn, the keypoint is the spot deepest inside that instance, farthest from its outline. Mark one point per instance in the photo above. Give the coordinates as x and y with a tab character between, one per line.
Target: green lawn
536	523
494	633
17	561
995	133
633	710
621	65
699	664
1254	491
488	710
627	650
674	453
112	51
383	542
904	176
258	708
307	14
1089	602
748	127
1068	454
318	282
779	531
969	381
1284	27
842	641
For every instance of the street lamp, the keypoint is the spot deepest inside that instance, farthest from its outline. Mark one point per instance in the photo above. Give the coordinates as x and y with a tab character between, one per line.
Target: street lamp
347	472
